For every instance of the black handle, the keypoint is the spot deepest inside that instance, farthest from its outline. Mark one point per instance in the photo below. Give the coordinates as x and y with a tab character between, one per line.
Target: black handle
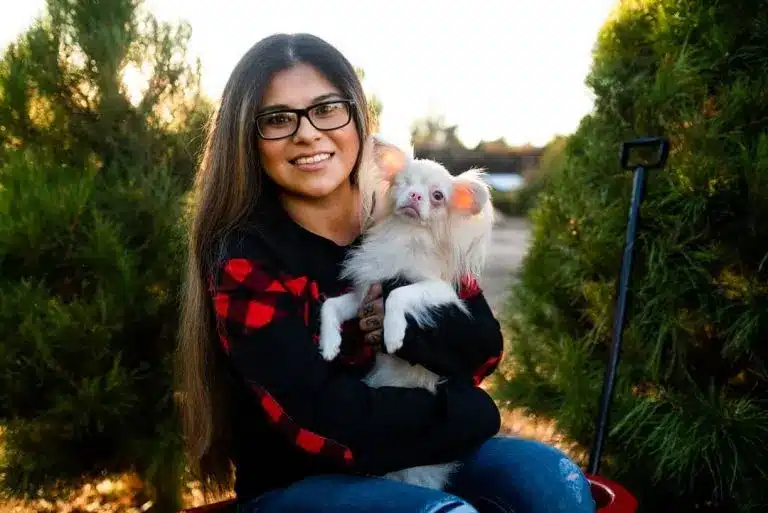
657	159
620	316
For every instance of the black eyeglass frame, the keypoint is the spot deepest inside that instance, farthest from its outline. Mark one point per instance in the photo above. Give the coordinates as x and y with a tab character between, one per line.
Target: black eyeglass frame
300	113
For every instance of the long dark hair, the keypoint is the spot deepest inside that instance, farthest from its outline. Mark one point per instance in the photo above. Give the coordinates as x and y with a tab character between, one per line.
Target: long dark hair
227	185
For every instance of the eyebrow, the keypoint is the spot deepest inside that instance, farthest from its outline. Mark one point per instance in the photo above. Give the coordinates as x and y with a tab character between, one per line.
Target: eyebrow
315	100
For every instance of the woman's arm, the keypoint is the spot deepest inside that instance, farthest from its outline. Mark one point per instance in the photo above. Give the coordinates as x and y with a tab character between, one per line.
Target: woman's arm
458	345
322	410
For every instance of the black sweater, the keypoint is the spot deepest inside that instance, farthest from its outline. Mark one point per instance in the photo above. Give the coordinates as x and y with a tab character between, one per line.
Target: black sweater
295	414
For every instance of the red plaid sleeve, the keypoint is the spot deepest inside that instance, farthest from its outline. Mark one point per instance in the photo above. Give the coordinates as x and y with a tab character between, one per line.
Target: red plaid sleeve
469	290
247	301
469	287
260	319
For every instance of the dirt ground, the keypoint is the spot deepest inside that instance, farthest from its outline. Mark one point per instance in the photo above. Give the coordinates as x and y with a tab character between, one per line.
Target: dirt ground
511	238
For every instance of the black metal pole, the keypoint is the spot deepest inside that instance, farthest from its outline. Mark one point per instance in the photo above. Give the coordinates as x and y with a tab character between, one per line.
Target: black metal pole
638	190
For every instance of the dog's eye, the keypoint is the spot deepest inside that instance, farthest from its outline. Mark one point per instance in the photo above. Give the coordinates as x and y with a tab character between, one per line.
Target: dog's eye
437	196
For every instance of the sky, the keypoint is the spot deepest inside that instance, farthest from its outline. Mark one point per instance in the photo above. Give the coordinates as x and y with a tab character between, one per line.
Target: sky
512	69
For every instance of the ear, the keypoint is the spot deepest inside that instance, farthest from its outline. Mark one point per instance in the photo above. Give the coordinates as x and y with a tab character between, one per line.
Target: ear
470	194
388	157
380	162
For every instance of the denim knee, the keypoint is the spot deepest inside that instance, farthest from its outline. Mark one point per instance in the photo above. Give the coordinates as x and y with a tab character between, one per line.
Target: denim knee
522	474
559	467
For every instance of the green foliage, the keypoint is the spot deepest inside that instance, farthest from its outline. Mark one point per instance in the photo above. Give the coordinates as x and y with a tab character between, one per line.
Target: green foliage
507	203
690	417
91	190
62	88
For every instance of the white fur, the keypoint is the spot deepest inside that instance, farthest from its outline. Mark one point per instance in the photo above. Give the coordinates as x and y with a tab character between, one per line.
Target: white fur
432	250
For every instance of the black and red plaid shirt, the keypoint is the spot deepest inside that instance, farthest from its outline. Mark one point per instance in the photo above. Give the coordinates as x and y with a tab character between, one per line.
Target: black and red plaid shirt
297	415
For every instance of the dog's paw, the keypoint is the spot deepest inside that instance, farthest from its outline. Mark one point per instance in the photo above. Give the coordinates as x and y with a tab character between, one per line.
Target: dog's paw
330	344
394	331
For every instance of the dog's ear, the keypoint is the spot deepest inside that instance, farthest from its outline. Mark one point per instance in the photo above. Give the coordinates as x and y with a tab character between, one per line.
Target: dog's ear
470	194
389	158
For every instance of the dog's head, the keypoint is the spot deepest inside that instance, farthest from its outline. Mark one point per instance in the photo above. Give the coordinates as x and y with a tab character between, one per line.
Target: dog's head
423	191
422	197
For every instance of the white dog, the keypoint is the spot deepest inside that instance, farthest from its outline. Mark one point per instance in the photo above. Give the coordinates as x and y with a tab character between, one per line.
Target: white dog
430	229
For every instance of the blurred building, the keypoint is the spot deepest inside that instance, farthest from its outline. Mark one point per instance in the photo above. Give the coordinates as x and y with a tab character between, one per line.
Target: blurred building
505	166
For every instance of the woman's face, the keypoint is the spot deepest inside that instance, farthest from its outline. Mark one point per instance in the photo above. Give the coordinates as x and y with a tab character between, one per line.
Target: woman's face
311	163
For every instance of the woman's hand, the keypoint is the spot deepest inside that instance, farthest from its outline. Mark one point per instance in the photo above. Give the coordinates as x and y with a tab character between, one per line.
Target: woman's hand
371	316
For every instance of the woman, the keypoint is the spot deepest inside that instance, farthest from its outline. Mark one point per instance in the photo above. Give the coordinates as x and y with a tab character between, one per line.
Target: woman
277	206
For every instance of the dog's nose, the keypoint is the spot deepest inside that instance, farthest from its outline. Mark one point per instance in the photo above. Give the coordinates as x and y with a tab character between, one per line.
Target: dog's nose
415	196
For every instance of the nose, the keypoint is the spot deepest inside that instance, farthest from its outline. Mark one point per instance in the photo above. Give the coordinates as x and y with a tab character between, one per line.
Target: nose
305	130
415	196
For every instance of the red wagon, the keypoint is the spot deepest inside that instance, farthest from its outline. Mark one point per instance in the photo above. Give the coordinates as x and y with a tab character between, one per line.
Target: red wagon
609	496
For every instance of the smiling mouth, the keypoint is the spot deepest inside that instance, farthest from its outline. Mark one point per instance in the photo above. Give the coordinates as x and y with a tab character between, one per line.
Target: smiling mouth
314	159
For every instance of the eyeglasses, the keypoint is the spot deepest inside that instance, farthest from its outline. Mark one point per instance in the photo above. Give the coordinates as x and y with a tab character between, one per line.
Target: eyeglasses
324	116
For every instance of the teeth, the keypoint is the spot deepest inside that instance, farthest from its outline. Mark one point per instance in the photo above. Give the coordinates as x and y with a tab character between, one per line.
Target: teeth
313	159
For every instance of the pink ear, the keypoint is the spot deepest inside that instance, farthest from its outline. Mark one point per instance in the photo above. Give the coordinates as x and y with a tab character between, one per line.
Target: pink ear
390	159
469	196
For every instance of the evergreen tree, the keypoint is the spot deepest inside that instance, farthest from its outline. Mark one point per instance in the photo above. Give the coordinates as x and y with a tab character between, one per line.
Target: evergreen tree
92	181
690	416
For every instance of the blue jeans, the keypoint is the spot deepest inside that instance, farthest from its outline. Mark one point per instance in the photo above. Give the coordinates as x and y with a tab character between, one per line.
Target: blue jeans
506	475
